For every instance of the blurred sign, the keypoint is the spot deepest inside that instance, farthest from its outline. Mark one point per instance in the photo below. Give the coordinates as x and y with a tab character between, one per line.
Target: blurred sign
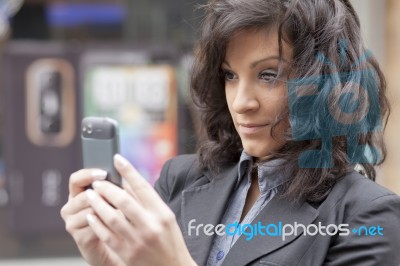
65	14
41	144
43	111
143	98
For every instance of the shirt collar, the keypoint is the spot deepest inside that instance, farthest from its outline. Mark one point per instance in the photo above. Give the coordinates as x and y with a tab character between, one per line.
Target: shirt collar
245	163
268	175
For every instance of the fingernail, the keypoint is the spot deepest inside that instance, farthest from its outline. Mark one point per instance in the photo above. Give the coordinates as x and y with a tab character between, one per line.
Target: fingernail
96	184
120	161
90	194
90	218
99	174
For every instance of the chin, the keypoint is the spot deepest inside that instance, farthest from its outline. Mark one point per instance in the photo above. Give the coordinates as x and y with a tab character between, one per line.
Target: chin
263	150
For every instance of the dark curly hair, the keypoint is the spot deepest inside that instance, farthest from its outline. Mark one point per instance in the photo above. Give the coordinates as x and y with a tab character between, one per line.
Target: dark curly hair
326	42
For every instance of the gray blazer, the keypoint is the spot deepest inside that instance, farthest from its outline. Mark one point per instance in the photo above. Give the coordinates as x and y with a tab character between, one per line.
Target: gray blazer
354	200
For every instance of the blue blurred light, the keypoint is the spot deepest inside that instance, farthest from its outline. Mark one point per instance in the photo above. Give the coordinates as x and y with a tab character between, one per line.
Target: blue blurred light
70	15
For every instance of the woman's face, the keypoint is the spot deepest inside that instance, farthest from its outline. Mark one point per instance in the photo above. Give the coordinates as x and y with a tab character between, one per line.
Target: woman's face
254	95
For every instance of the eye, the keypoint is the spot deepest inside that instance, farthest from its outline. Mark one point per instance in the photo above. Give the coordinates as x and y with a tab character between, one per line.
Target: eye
268	75
228	75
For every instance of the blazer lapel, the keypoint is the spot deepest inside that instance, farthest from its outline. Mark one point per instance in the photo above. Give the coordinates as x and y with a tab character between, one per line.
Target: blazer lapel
205	205
278	210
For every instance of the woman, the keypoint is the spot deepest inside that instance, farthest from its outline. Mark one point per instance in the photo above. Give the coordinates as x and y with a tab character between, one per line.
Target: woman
291	102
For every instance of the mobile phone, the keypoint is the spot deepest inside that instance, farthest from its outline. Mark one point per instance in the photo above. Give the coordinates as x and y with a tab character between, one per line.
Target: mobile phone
100	142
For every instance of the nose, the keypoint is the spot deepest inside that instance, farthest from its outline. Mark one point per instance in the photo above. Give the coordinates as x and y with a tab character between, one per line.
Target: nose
245	98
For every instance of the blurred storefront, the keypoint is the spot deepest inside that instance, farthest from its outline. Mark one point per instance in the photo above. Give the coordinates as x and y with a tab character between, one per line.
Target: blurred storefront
101	57
64	60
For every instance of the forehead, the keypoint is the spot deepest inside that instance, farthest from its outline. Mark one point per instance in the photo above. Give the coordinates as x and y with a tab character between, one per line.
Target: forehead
256	42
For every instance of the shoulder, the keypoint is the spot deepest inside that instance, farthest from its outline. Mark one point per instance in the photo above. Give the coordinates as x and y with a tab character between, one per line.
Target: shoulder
355	189
356	197
181	164
177	174
371	213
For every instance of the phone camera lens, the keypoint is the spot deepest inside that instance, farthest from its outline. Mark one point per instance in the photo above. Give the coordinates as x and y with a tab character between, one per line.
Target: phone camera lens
89	129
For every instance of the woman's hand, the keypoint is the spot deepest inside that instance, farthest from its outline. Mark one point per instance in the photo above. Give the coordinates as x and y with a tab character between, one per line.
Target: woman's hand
134	222
75	213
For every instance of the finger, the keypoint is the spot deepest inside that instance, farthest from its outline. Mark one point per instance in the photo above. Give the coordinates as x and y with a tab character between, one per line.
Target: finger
123	201
78	220
141	188
104	233
84	236
75	205
81	179
128	188
110	217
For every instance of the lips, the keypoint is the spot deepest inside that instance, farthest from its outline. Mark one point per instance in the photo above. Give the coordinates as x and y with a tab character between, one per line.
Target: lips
251	128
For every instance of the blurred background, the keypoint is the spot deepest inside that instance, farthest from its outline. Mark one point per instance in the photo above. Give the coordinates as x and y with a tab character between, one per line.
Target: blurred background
64	60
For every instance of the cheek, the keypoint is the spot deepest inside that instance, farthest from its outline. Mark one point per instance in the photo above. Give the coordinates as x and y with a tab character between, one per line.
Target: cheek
275	105
278	111
229	100
282	101
281	130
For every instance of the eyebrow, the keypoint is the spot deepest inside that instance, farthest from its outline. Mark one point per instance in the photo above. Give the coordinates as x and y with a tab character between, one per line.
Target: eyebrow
255	63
